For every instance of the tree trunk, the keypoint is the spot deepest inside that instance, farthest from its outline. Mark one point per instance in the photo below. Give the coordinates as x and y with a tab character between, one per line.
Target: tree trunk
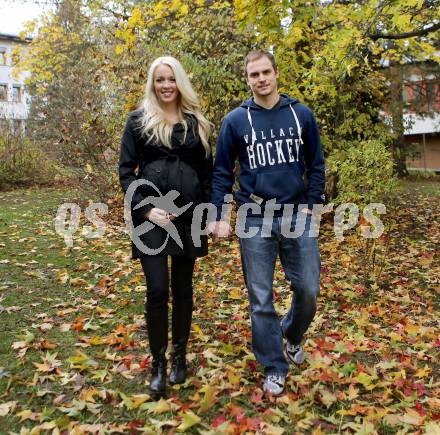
399	146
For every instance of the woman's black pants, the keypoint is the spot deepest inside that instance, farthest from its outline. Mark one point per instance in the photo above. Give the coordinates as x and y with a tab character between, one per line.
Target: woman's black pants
156	272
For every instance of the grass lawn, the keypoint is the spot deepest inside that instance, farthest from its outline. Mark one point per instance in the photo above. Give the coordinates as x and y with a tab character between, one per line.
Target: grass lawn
74	358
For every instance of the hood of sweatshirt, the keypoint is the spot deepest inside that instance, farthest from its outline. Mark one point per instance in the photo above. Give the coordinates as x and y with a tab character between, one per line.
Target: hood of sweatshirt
284	101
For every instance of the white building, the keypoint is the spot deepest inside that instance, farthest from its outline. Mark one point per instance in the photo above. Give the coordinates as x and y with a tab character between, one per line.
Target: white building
14	101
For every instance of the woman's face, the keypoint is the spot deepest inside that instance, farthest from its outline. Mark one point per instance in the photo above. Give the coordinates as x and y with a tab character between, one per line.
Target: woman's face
165	85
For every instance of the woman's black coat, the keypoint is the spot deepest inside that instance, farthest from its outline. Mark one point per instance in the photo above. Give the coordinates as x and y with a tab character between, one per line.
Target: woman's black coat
184	168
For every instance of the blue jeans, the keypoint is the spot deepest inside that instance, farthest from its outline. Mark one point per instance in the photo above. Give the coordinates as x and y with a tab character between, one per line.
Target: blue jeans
301	262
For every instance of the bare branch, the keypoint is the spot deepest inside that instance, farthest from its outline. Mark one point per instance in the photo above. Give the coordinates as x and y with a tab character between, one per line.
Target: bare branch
414	33
117	15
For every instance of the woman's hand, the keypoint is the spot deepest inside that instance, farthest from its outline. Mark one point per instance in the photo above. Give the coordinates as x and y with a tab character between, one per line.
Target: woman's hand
159	217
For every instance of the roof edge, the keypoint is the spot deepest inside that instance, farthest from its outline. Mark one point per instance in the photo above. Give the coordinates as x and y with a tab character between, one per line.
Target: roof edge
15	38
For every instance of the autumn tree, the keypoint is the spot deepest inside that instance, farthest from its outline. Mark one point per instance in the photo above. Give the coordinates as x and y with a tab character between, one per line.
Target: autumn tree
67	116
336	56
89	62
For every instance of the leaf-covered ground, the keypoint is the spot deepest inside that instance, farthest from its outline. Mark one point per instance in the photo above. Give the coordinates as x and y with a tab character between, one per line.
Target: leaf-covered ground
74	358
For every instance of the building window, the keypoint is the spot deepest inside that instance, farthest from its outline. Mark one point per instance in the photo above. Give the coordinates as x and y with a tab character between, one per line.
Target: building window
16	94
2	56
423	95
3	92
433	95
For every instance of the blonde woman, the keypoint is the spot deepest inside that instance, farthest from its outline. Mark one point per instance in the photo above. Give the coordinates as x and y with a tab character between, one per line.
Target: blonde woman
165	146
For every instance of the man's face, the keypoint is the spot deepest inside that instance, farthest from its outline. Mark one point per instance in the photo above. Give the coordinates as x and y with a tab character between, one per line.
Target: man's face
262	77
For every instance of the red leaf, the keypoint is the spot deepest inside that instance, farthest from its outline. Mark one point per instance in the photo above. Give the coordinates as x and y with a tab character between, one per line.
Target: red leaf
257	396
420	409
252	366
237	412
325	376
399	383
134	424
323	344
219	420
253	423
144	363
78	326
420	388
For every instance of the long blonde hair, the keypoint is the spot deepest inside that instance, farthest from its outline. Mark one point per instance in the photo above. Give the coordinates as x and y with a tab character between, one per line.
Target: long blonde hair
153	122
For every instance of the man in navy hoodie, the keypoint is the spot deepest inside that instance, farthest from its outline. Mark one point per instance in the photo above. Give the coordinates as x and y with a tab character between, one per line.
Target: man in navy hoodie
276	141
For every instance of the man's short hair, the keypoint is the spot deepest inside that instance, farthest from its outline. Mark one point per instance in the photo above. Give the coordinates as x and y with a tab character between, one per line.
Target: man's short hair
258	54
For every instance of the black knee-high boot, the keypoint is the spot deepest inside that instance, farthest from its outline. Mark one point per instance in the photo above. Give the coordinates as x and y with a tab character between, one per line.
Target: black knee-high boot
181	326
157	327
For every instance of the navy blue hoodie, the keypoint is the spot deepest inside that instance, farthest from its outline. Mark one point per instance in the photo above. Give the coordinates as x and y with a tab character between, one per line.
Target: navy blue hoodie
275	148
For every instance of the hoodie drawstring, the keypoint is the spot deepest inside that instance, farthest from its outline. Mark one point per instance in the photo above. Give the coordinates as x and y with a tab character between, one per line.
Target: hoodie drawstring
254	135
298	125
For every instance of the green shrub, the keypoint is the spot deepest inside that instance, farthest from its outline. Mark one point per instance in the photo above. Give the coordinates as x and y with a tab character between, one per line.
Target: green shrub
364	173
22	162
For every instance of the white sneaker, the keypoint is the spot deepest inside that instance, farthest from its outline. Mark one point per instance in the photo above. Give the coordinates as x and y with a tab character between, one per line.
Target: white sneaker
274	384
295	353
